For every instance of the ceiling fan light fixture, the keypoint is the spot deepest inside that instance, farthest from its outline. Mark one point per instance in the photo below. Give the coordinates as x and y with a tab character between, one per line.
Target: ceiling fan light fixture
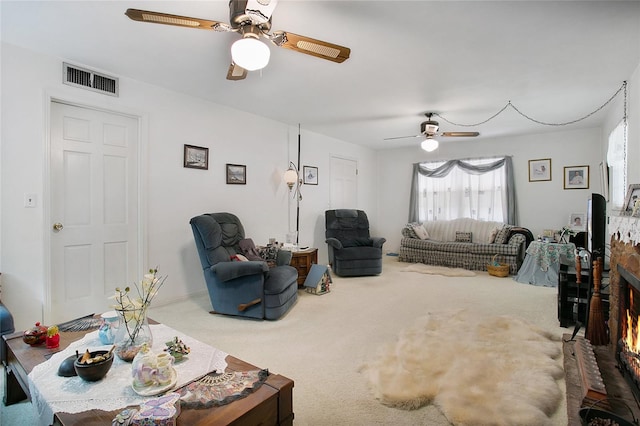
429	144
250	53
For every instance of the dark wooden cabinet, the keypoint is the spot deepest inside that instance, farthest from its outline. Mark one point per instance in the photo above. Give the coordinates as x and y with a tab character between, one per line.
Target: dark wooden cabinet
302	261
574	298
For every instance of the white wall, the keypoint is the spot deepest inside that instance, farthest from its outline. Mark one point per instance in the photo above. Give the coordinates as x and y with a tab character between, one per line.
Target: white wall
173	194
541	205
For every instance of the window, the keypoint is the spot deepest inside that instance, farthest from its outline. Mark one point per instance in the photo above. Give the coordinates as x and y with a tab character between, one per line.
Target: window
472	188
617	161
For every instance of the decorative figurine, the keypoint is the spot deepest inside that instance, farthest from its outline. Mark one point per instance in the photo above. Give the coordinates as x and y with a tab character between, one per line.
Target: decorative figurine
177	348
53	337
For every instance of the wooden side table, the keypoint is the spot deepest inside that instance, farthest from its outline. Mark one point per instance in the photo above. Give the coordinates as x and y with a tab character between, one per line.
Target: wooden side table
302	261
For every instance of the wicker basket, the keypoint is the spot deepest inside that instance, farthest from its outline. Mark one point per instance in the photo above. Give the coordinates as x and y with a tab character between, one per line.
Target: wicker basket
498	271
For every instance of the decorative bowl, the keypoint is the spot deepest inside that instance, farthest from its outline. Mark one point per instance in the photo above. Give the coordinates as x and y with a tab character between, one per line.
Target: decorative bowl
93	371
35	335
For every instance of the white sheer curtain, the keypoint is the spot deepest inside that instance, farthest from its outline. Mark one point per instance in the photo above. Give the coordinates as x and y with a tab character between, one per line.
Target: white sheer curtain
464	194
617	161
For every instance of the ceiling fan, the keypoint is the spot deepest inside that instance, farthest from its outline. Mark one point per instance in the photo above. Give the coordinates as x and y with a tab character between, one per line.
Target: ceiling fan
429	130
251	19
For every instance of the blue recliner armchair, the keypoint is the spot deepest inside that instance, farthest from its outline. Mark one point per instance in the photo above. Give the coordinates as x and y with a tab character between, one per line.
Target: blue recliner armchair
352	251
249	288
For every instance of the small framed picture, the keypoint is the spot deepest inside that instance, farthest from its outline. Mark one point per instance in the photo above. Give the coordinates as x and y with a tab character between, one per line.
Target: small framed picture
196	157
236	174
576	177
540	170
633	195
577	222
310	175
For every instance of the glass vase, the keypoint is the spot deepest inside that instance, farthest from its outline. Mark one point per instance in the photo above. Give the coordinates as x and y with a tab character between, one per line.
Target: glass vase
132	333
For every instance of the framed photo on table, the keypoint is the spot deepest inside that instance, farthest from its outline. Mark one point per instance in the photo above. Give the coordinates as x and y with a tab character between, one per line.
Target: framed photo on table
540	170
577	222
633	194
576	177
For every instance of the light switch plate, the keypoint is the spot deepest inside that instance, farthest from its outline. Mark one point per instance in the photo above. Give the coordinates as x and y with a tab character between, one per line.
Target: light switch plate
30	200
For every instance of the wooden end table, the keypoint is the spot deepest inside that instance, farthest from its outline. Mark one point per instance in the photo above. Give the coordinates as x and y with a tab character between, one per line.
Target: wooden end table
271	404
302	261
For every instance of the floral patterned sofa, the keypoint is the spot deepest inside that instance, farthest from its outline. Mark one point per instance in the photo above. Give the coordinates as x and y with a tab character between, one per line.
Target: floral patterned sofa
464	243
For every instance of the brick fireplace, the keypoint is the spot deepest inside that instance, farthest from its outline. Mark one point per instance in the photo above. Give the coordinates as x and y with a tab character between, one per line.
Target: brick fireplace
625	251
583	380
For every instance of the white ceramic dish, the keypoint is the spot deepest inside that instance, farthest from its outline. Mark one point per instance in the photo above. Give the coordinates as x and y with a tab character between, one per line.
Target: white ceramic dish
156	389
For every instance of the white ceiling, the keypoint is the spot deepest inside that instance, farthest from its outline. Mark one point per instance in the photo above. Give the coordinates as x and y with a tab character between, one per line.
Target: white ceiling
554	60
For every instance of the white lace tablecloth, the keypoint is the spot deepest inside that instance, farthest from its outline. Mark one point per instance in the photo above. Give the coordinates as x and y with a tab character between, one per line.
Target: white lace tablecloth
51	393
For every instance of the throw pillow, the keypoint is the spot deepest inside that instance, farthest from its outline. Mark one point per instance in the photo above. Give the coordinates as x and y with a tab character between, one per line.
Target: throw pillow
492	236
249	249
463	237
503	235
420	231
408	231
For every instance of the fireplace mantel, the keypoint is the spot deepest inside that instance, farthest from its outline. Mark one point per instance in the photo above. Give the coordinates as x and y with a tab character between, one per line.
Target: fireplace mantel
625	229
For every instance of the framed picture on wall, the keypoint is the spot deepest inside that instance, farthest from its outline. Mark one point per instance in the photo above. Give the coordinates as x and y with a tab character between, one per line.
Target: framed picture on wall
196	157
236	174
540	170
310	175
576	177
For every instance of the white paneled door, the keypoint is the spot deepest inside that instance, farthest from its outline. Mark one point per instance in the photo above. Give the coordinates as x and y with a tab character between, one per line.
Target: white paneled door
94	209
344	183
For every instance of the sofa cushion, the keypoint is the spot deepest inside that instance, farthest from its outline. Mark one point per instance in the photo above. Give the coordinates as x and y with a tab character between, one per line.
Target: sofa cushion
463	237
434	245
445	230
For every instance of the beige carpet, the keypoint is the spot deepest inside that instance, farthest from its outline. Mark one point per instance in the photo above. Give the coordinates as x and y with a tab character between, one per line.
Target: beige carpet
479	370
438	270
323	342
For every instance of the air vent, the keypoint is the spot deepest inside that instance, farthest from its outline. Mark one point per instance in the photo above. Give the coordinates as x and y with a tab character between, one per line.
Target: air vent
88	79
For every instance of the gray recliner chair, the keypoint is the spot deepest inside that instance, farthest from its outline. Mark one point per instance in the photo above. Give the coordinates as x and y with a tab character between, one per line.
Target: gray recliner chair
352	251
243	288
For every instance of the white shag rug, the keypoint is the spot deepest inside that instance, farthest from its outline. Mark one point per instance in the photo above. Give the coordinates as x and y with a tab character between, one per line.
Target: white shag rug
478	371
438	270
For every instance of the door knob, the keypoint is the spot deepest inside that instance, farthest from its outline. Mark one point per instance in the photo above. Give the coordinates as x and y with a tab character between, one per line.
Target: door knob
57	227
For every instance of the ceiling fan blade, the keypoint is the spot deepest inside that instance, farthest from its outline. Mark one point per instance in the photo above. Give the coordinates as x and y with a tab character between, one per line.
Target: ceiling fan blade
460	134
177	20
403	137
311	46
236	72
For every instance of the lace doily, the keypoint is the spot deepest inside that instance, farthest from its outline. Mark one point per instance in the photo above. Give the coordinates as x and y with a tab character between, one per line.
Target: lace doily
51	393
628	228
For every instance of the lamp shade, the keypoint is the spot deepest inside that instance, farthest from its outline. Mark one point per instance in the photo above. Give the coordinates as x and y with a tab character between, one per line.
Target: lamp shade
250	53
429	144
290	177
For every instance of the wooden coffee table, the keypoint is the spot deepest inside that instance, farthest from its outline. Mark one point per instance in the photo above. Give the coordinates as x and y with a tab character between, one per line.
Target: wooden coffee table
271	404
